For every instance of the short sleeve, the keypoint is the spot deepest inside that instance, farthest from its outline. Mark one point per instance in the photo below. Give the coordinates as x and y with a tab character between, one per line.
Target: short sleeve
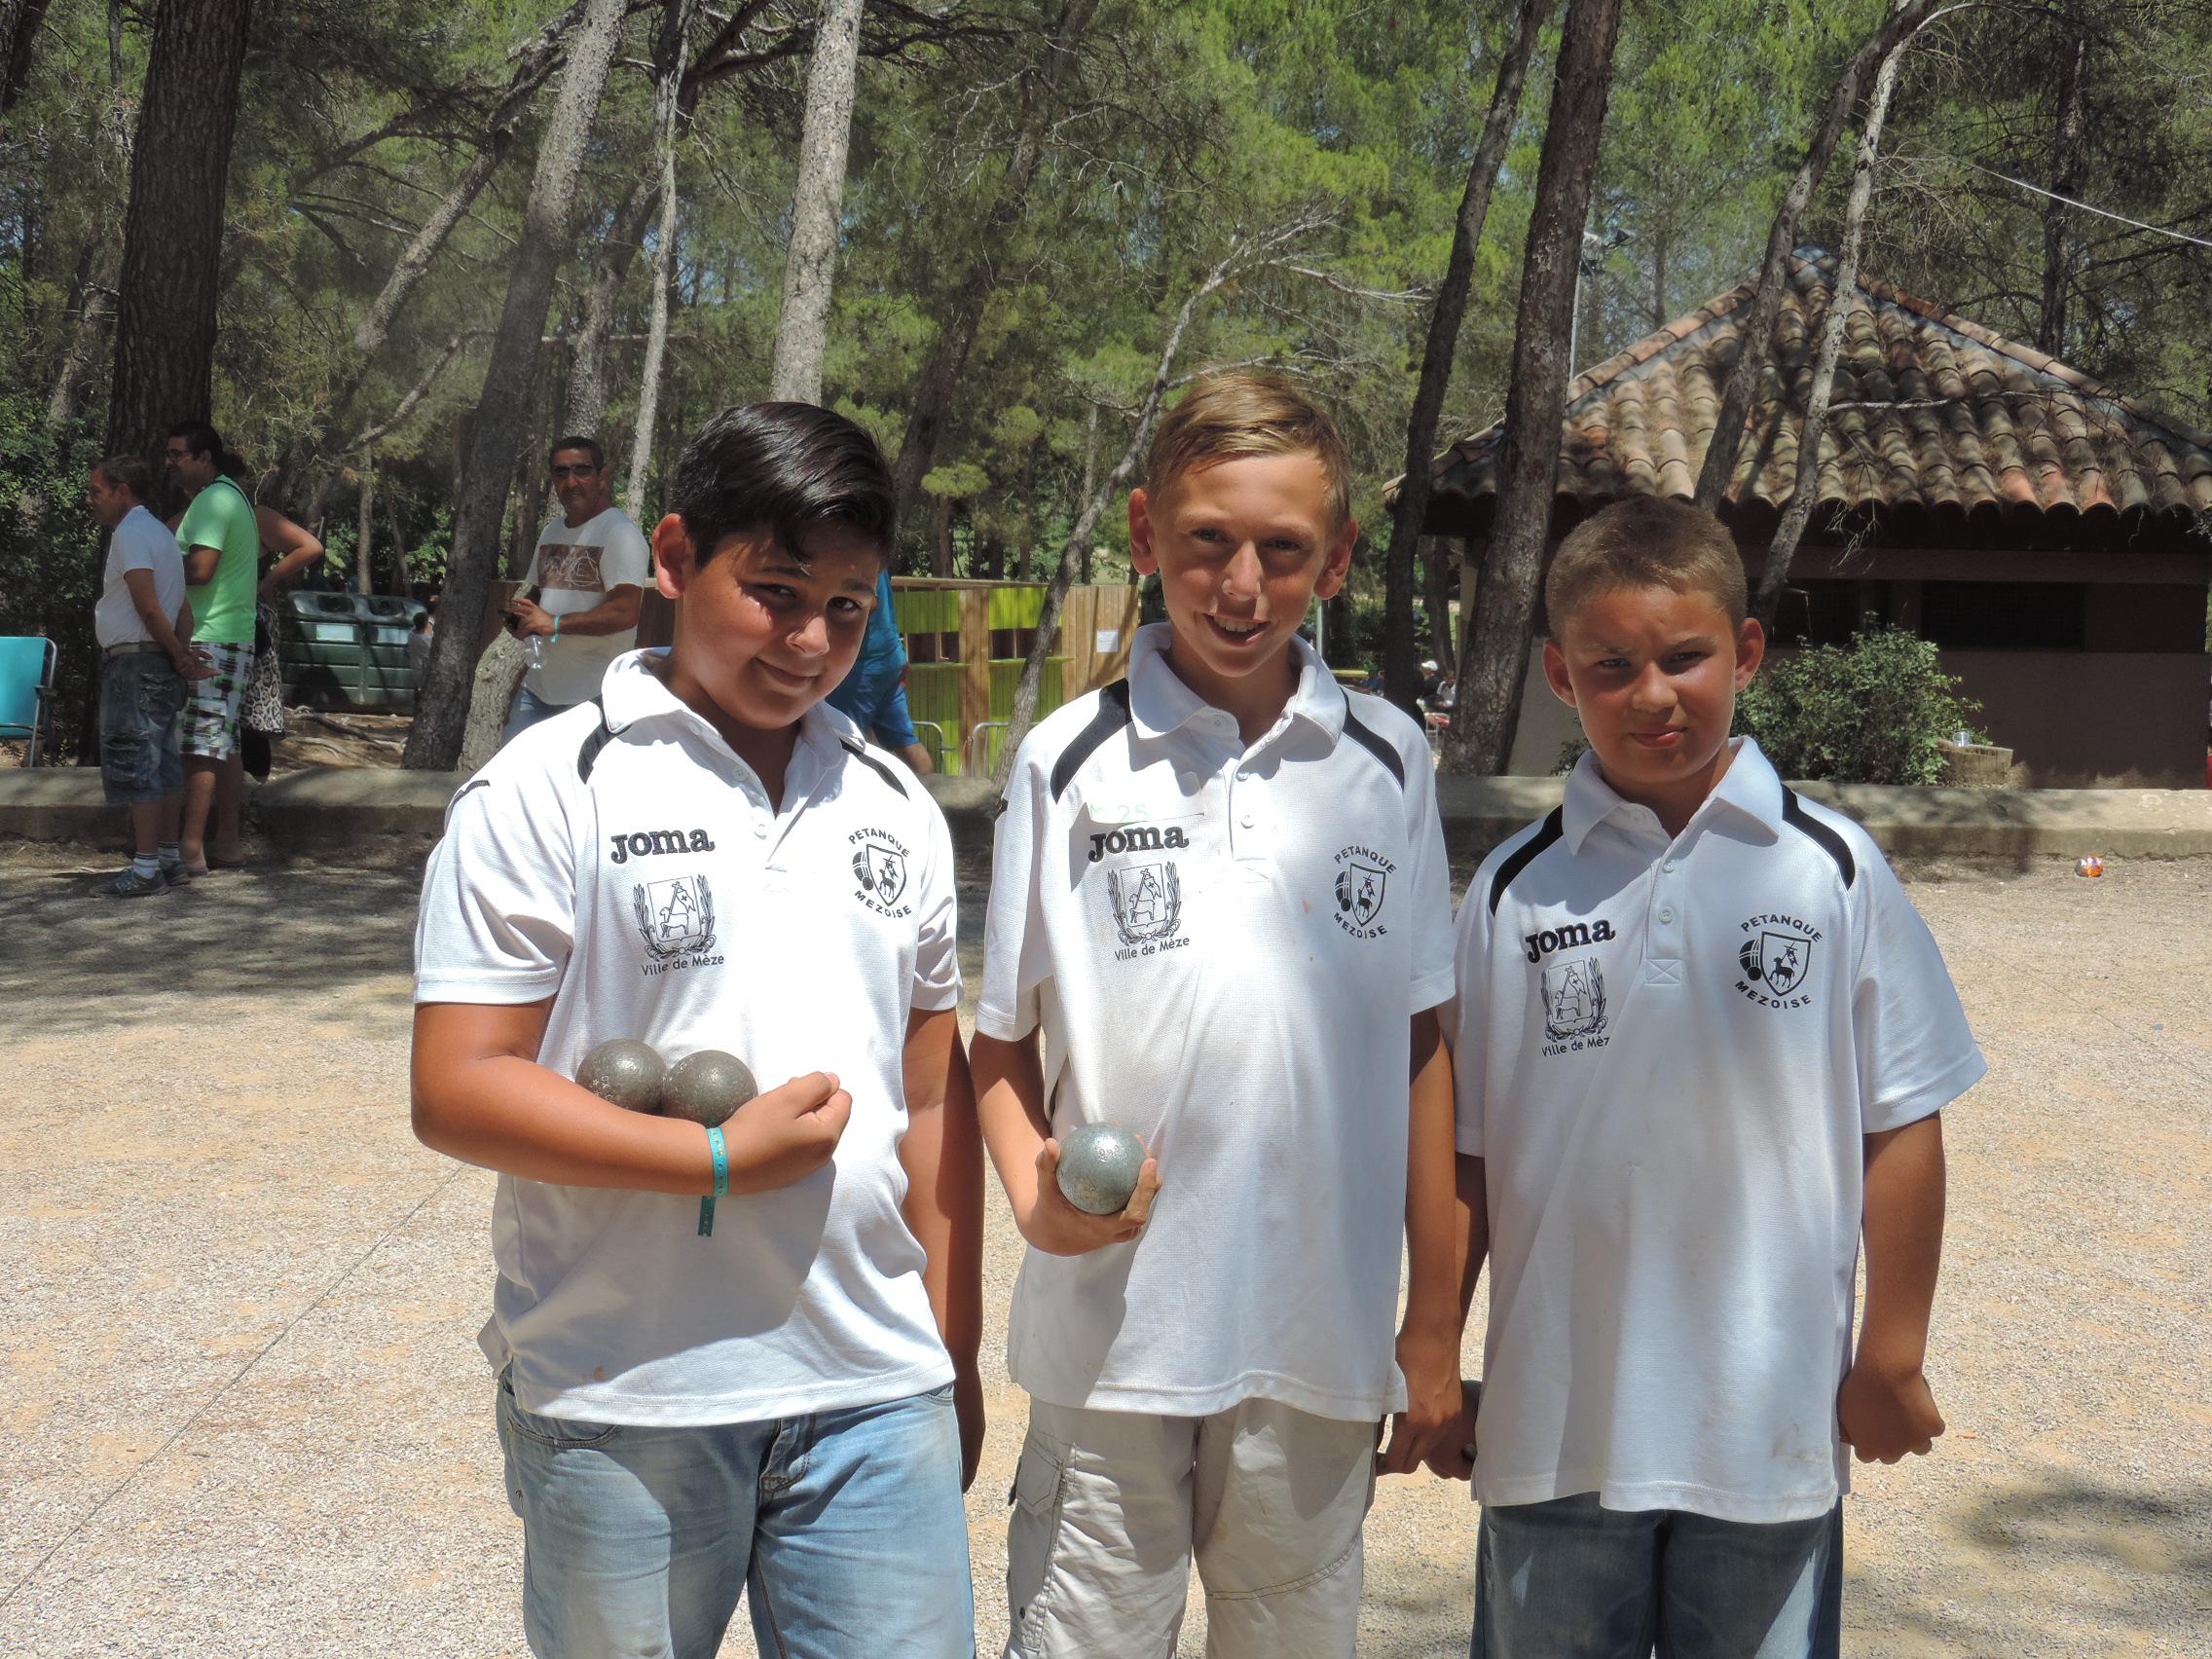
134	549
1465	1017
1016	952
628	560
202	525
937	919
497	918
894	725
1915	1050
1431	871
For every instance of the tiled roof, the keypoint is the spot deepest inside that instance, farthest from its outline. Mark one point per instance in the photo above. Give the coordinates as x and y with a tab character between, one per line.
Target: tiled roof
1940	433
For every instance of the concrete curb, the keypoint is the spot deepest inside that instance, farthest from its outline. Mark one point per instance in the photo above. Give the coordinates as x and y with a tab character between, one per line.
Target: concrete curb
344	807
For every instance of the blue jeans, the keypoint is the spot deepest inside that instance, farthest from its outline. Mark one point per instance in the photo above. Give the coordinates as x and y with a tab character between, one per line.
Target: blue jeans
140	694
527	711
846	1528
1569	1580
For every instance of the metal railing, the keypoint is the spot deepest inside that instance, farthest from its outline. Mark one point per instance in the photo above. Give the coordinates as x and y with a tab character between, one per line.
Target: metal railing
934	738
976	752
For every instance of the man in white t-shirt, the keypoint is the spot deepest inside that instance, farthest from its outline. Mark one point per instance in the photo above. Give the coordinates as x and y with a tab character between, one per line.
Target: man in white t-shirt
1702	1042
777	1386
578	607
1220	897
143	626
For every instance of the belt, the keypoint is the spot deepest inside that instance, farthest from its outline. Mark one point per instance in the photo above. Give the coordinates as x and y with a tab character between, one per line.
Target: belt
130	646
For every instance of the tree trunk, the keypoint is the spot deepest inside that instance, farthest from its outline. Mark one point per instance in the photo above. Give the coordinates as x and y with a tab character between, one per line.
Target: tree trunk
1026	558
87	319
534	62
497	678
364	566
1047	634
941	536
529	486
442	708
675	36
1436	561
1488	708
1659	308
172	232
20	22
2065	180
402	577
1755	335
587	370
1805	492
810	267
933	400
1400	681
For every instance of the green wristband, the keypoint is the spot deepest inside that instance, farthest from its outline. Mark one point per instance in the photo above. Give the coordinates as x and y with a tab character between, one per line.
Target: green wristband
555	628
721	1182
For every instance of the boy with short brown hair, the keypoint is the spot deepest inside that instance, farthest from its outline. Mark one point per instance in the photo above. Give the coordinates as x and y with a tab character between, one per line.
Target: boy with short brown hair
1701	1043
1220	892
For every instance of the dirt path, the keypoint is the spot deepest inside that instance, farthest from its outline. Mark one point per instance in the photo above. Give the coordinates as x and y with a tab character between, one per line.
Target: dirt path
239	1303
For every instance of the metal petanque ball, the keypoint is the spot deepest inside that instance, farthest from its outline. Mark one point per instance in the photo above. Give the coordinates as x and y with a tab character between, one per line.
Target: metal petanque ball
2089	867
707	1087
625	1071
1099	1166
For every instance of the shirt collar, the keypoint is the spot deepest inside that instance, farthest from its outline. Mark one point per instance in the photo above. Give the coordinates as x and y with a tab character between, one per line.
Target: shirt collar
1749	787
1160	703
631	692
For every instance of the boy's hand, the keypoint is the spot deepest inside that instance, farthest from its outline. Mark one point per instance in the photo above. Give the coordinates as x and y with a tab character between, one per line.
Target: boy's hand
1884	1417
785	1134
1452	1454
1431	1363
968	1406
1058	1229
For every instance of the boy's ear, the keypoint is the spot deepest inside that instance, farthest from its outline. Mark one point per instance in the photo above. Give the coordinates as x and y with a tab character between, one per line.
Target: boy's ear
1751	650
1338	565
673	563
1555	673
1143	559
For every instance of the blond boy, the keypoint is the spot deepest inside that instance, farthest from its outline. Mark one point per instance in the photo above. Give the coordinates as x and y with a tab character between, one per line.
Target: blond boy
1701	1045
1220	916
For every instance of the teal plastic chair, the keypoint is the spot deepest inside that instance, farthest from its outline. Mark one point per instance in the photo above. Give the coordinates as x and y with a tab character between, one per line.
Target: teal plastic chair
26	690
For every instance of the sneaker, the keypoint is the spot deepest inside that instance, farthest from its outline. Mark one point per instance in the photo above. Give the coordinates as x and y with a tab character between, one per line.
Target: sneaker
176	874
132	885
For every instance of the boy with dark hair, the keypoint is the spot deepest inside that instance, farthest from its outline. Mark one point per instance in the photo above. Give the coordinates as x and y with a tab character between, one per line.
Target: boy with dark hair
1702	1043
783	1397
1220	894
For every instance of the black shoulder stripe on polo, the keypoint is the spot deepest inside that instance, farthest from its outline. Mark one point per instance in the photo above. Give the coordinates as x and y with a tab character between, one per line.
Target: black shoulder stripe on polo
588	756
472	784
1372	741
1793	812
1112	716
859	752
1551	829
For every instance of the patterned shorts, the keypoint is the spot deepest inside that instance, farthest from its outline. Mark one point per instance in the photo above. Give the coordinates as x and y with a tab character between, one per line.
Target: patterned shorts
210	723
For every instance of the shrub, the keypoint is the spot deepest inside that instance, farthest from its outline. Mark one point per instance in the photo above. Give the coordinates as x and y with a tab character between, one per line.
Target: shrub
1872	713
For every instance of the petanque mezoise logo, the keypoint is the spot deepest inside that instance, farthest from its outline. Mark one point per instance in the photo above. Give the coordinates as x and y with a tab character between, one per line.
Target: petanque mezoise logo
1777	959
675	919
880	865
1363	877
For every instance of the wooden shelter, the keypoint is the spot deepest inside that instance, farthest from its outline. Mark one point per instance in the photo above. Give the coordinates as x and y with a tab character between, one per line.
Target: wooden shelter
2044	532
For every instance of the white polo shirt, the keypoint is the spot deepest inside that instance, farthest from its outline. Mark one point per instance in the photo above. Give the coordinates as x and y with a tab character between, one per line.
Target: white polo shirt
636	875
1225	944
1668	1053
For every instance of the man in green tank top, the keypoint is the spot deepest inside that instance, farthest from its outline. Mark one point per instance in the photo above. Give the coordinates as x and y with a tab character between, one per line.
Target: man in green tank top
222	550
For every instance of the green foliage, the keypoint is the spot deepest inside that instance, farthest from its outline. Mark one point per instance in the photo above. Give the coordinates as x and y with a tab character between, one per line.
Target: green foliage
1872	713
49	558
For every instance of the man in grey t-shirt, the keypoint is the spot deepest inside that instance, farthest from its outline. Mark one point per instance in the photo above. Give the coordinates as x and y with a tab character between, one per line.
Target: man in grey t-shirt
586	582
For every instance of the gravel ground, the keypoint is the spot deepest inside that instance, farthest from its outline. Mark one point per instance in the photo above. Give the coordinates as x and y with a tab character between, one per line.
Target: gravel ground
238	1302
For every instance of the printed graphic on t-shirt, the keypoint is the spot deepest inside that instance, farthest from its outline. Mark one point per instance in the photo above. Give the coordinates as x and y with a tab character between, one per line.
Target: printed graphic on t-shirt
675	919
1777	958
1363	876
1574	1003
880	865
1148	907
571	564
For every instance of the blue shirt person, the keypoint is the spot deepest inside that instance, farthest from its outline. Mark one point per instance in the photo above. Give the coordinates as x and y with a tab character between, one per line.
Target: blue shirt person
874	694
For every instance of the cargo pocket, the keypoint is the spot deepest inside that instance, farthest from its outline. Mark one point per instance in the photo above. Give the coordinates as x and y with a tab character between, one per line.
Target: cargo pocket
1040	1488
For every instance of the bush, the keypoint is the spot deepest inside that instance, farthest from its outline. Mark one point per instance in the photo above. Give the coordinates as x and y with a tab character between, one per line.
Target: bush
49	572
1872	713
